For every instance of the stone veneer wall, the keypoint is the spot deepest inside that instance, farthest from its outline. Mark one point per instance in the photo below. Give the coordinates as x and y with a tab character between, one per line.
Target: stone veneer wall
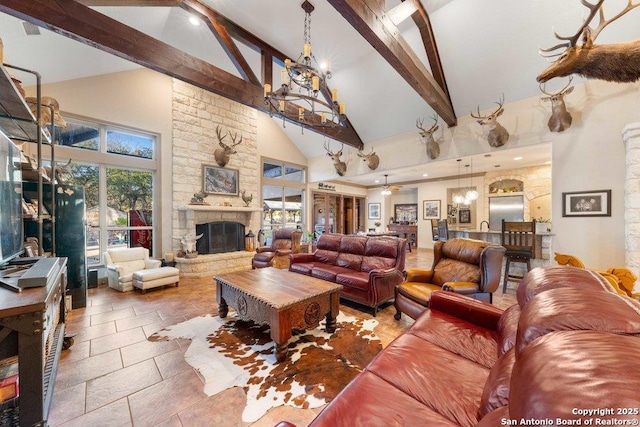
196	113
631	138
537	182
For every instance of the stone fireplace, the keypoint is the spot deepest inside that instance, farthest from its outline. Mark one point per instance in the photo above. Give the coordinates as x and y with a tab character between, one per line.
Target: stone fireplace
196	115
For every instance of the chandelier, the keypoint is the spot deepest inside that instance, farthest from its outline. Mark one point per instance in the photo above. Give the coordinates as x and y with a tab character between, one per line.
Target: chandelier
301	83
386	188
472	194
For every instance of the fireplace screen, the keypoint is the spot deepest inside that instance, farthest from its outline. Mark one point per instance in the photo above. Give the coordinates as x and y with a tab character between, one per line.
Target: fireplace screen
220	237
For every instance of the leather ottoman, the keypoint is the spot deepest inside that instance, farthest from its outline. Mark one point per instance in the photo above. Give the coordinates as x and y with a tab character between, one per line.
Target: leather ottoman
154	277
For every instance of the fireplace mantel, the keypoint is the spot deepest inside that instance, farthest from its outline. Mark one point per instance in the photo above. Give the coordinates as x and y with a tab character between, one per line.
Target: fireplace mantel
210	208
190	215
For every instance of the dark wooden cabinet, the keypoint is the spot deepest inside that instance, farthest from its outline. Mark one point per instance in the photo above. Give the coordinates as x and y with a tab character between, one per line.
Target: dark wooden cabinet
32	324
409	232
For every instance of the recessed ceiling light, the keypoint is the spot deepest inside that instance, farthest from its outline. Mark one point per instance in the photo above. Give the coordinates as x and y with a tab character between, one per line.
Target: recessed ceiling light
548	162
376	181
425	174
194	21
517	158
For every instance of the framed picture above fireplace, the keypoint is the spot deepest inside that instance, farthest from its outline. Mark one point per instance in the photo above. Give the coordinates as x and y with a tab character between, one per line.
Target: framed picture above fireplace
222	181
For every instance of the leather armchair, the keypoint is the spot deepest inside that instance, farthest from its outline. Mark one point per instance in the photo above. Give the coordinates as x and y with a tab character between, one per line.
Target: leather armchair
464	266
285	241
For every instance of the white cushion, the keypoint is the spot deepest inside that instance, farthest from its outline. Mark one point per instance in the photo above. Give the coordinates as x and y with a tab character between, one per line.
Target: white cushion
130	266
155	273
127	254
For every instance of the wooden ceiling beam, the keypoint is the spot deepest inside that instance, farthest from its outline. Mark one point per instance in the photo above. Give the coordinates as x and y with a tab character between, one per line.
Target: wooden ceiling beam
370	21
81	23
224	38
163	3
421	19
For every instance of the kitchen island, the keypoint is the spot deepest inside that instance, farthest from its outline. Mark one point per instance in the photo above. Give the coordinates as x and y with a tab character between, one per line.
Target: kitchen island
544	241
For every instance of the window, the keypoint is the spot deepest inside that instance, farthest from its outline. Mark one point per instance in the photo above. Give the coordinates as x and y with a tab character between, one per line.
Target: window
283	196
119	190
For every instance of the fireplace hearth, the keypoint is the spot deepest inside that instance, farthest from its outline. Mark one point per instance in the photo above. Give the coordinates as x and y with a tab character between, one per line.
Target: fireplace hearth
220	237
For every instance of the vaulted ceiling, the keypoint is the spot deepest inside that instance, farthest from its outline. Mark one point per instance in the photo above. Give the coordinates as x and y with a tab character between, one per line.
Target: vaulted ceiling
486	49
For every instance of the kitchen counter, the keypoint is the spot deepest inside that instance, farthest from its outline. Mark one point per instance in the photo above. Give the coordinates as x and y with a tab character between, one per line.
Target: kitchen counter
543	241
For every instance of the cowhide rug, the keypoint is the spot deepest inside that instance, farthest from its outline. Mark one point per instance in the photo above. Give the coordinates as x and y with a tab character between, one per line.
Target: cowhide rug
234	353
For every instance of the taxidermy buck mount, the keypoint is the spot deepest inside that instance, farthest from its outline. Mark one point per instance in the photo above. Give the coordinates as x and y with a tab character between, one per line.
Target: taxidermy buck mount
617	62
222	155
560	119
372	159
341	167
498	135
433	149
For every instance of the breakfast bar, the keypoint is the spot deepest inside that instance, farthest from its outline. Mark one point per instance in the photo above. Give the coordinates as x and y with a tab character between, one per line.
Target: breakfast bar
544	240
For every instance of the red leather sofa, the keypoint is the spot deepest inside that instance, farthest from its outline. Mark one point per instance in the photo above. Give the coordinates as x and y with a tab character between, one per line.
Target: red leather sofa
368	268
567	352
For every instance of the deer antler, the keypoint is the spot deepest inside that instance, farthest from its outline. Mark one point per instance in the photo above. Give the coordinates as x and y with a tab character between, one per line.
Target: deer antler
604	22
572	40
219	133
500	103
233	138
543	86
419	123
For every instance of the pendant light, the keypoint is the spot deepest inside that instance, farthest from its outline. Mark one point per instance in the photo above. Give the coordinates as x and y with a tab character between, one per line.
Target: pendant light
472	194
458	198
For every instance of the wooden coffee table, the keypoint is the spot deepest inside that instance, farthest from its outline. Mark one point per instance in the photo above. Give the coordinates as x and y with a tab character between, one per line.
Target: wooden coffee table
281	299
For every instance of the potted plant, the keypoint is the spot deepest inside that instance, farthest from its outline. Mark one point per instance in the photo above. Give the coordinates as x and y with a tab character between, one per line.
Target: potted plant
543	225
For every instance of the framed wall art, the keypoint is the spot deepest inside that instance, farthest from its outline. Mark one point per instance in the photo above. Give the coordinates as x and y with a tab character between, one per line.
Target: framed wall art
221	181
464	216
374	211
431	209
406	212
586	203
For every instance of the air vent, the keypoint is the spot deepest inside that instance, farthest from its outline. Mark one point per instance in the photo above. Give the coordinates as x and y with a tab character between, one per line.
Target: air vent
30	29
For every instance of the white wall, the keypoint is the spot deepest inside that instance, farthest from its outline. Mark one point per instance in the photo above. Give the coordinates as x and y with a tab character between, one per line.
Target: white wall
592	157
274	143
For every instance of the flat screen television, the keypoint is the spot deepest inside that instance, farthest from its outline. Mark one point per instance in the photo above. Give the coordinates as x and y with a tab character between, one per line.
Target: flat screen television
11	226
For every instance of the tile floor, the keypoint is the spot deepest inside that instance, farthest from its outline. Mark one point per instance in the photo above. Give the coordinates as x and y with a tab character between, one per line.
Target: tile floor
112	376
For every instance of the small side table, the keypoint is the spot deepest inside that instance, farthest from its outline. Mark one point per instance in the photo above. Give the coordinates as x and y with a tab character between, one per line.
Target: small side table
168	263
304	247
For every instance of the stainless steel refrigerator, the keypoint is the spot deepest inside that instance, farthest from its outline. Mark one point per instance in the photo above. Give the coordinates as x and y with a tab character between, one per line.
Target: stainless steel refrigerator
509	208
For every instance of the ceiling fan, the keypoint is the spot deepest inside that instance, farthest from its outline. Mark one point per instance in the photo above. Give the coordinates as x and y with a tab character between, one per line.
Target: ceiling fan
387	189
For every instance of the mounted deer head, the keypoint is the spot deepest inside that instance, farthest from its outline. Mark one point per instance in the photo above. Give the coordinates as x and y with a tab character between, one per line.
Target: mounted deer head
372	159
341	167
619	62
433	149
498	135
560	118
222	155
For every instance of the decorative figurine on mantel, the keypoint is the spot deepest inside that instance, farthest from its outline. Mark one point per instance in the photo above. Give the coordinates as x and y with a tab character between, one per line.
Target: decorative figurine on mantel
198	198
246	199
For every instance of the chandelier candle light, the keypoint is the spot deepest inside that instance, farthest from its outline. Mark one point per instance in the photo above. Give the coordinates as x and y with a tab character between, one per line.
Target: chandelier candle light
301	82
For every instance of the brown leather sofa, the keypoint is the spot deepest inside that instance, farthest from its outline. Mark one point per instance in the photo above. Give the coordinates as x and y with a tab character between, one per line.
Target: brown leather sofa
285	242
465	266
368	268
568	350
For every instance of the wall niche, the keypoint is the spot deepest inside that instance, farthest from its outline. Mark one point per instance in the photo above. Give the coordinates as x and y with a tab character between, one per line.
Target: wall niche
506	186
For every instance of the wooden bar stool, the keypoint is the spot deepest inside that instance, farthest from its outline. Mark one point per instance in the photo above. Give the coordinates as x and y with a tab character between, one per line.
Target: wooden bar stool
519	238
